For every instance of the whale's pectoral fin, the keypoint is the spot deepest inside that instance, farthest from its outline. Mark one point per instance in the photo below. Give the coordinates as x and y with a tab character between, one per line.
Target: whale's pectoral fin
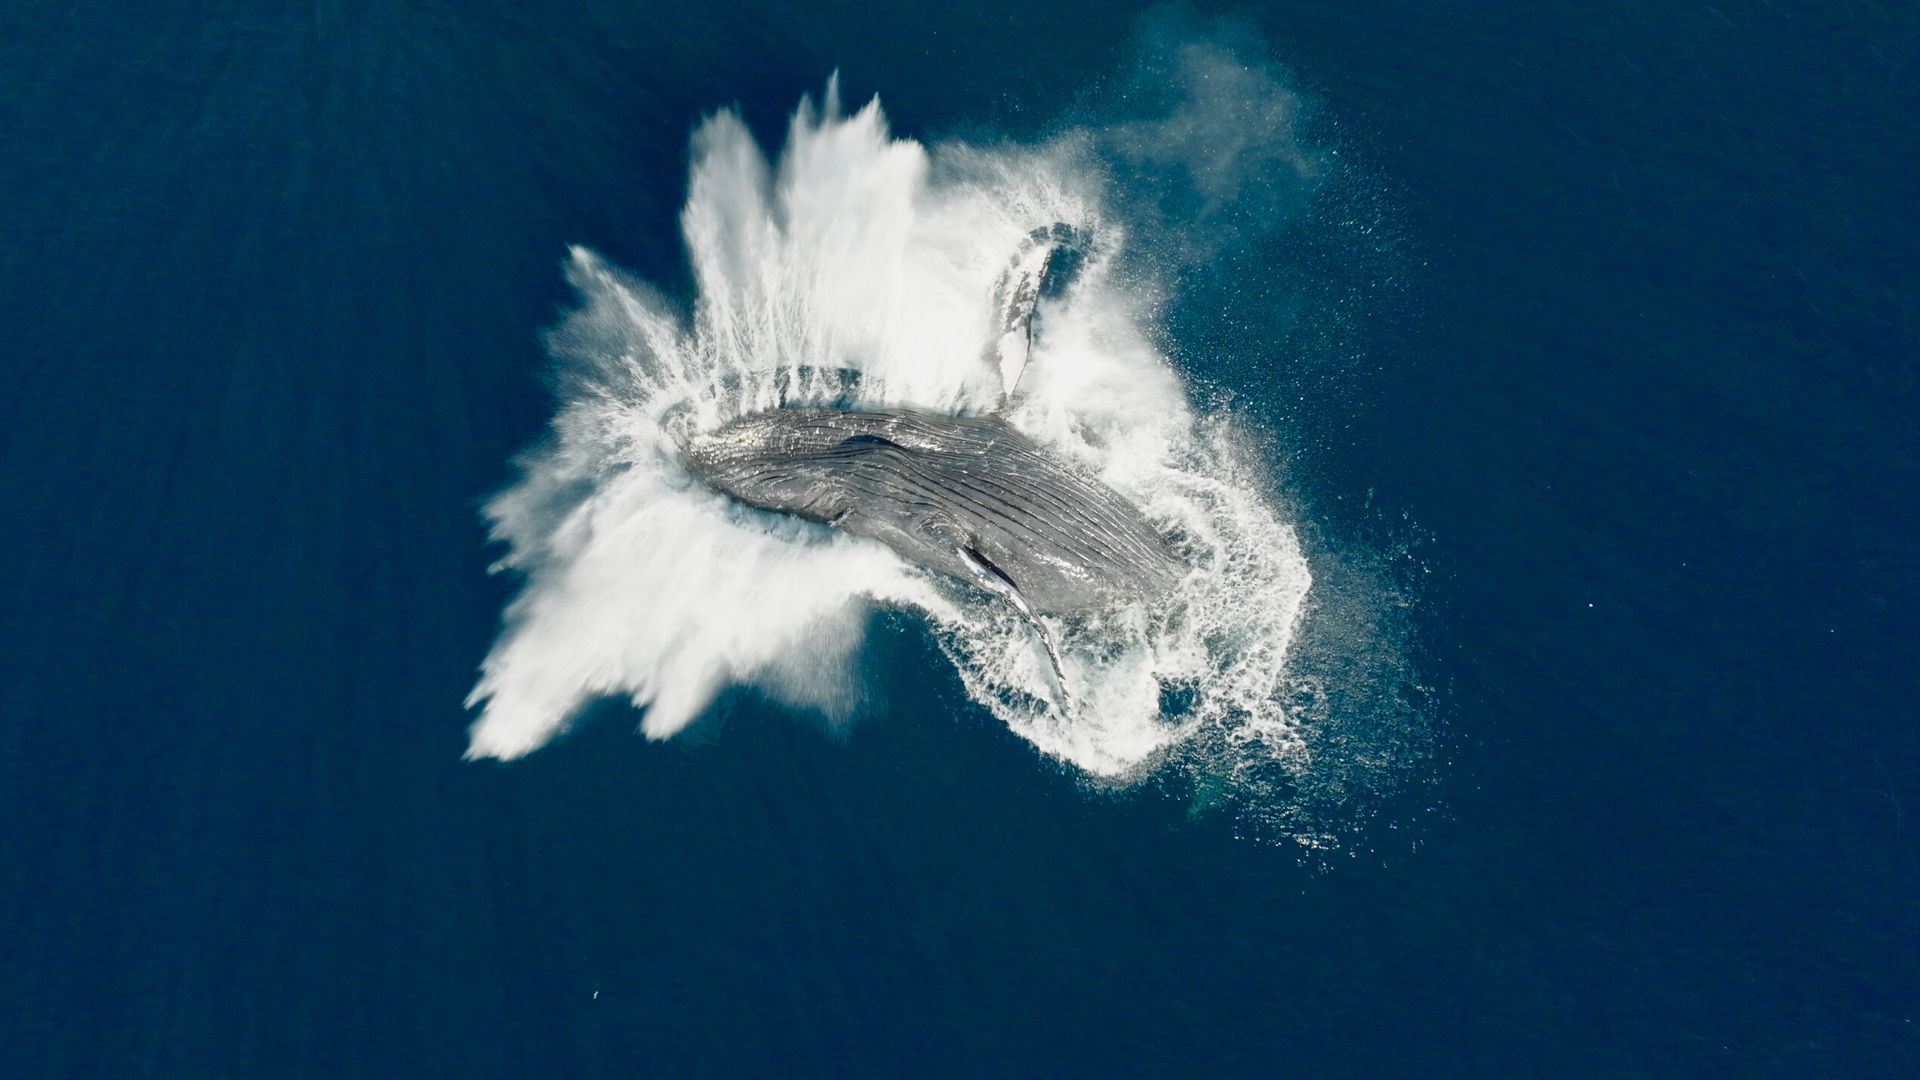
1044	265
990	577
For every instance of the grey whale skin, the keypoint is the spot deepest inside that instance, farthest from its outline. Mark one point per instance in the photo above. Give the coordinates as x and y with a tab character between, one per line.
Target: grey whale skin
968	496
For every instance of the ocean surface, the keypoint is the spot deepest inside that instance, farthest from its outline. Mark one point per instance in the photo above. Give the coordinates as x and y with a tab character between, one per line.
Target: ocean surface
1536	390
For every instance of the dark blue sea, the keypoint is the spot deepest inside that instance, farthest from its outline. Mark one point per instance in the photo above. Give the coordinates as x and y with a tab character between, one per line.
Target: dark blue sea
1586	373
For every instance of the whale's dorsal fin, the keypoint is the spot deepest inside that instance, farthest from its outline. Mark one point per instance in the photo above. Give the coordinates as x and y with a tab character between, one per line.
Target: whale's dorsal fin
1041	268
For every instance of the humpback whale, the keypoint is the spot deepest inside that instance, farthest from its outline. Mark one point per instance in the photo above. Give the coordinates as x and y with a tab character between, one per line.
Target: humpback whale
967	496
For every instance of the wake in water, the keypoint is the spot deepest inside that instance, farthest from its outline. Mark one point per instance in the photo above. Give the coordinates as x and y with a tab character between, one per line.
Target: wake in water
860	252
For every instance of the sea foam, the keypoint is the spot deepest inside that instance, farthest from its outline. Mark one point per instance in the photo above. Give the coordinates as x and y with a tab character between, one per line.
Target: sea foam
859	251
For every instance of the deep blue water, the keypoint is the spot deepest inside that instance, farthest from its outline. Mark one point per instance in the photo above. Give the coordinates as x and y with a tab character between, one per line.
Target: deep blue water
1636	382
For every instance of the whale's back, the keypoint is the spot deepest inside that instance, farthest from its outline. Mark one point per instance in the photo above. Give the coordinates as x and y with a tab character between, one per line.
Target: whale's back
958	494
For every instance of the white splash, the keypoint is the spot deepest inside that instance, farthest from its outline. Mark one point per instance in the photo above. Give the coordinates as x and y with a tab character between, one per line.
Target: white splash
864	252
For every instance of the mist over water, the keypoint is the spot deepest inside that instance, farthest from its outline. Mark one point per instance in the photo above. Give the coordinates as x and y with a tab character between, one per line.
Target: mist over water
856	251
